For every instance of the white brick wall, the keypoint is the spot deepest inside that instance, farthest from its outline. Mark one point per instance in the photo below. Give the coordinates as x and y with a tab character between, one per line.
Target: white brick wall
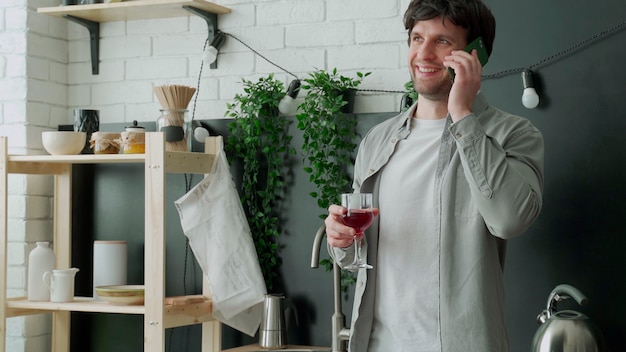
299	35
45	73
33	97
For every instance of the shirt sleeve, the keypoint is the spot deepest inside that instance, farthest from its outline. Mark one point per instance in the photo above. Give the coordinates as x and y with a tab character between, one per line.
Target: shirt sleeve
504	169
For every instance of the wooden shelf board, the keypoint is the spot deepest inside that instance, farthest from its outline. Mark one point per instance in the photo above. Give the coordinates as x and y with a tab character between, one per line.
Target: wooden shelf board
194	163
185	313
188	314
80	304
133	10
176	162
79	159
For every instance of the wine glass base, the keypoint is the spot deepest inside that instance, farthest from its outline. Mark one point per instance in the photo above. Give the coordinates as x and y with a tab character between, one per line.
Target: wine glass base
358	266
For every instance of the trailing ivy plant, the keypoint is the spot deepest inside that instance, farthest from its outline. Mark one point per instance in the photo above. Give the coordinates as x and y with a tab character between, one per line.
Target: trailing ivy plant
328	140
328	134
258	137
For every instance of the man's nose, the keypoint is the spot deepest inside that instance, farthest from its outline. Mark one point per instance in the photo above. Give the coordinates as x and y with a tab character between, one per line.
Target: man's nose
426	51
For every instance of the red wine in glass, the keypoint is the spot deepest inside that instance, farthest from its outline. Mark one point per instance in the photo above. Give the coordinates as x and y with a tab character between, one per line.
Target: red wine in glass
359	219
359	216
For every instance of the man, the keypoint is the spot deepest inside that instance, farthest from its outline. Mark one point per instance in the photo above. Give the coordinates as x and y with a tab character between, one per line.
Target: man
453	179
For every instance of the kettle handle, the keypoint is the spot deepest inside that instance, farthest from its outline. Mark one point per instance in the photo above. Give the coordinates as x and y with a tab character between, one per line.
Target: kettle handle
560	293
565	291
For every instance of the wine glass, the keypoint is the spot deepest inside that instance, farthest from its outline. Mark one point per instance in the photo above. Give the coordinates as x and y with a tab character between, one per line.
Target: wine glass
359	216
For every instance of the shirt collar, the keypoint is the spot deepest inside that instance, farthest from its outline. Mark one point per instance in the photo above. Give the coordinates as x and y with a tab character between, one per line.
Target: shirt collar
404	123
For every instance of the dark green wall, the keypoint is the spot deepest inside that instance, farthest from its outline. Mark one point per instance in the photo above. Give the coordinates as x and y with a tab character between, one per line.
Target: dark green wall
578	239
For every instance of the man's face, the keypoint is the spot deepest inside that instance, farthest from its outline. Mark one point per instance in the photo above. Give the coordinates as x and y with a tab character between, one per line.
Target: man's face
429	42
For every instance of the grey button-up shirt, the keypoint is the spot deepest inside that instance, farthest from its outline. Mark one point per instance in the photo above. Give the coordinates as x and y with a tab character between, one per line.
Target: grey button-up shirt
488	189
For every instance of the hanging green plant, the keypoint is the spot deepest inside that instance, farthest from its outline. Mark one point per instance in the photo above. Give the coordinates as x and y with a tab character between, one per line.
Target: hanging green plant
329	137
258	137
329	134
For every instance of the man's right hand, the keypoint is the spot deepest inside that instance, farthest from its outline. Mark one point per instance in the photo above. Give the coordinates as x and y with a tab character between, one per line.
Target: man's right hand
337	233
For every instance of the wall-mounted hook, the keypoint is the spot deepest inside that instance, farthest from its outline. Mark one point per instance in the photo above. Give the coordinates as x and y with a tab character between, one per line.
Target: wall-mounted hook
94	38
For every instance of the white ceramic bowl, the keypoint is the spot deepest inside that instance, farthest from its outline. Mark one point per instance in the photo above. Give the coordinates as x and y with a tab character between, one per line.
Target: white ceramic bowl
63	142
122	294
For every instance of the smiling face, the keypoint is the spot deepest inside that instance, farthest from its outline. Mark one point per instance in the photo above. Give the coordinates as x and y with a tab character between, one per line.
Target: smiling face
429	42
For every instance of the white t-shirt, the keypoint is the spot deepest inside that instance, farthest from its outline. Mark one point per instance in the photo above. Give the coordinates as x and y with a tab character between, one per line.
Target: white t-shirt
406	315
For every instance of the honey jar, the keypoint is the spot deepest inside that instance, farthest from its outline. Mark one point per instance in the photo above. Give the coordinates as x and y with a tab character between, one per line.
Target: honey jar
133	140
105	142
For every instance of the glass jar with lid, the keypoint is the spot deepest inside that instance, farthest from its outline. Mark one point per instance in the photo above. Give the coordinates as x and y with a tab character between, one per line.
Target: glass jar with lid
105	142
133	139
176	125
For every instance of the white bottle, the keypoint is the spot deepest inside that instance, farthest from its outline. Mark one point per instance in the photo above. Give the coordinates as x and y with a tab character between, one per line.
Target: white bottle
40	260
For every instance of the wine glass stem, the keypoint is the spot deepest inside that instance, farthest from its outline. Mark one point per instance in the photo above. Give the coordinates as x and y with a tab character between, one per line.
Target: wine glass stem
358	238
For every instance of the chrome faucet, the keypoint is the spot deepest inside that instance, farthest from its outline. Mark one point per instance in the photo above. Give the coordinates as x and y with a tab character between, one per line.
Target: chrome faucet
340	334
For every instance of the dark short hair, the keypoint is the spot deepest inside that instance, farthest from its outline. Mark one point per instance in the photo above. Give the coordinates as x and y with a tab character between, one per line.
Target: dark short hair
473	15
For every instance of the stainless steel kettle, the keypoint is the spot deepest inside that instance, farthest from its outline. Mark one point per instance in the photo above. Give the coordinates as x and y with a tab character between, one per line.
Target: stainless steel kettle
567	330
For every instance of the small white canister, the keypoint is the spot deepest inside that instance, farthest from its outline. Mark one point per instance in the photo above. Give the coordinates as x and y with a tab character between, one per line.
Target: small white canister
110	260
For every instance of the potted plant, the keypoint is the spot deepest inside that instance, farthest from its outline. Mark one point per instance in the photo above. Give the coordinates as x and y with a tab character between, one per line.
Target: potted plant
258	137
328	139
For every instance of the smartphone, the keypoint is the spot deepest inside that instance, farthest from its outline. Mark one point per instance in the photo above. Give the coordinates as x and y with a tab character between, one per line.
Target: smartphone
479	45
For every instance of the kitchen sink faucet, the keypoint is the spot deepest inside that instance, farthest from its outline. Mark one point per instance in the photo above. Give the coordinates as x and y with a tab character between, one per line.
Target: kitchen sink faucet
340	334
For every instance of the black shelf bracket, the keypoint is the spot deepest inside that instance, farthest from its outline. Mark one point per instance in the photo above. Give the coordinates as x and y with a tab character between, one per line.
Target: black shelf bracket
211	21
94	37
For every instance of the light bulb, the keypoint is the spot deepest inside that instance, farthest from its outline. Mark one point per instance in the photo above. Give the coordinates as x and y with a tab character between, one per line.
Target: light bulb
199	132
210	54
287	104
530	98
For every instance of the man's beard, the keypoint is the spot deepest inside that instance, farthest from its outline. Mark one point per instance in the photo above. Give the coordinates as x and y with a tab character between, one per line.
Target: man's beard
437	92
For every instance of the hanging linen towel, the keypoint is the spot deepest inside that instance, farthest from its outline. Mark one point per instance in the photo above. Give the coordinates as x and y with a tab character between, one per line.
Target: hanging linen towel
213	219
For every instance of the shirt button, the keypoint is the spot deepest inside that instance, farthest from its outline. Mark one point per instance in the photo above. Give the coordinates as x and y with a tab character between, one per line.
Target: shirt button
458	135
393	140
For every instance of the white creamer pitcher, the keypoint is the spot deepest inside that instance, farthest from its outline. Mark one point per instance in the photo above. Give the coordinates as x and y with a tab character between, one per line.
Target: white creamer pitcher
61	284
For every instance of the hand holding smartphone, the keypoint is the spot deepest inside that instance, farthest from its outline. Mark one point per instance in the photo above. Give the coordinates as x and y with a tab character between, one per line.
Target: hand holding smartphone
483	57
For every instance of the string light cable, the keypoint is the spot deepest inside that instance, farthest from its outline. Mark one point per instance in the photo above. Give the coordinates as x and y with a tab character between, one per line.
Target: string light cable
567	51
188	186
500	74
261	55
530	98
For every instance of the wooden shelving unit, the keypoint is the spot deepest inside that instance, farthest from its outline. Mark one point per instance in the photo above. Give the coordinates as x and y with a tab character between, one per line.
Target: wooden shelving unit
158	315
